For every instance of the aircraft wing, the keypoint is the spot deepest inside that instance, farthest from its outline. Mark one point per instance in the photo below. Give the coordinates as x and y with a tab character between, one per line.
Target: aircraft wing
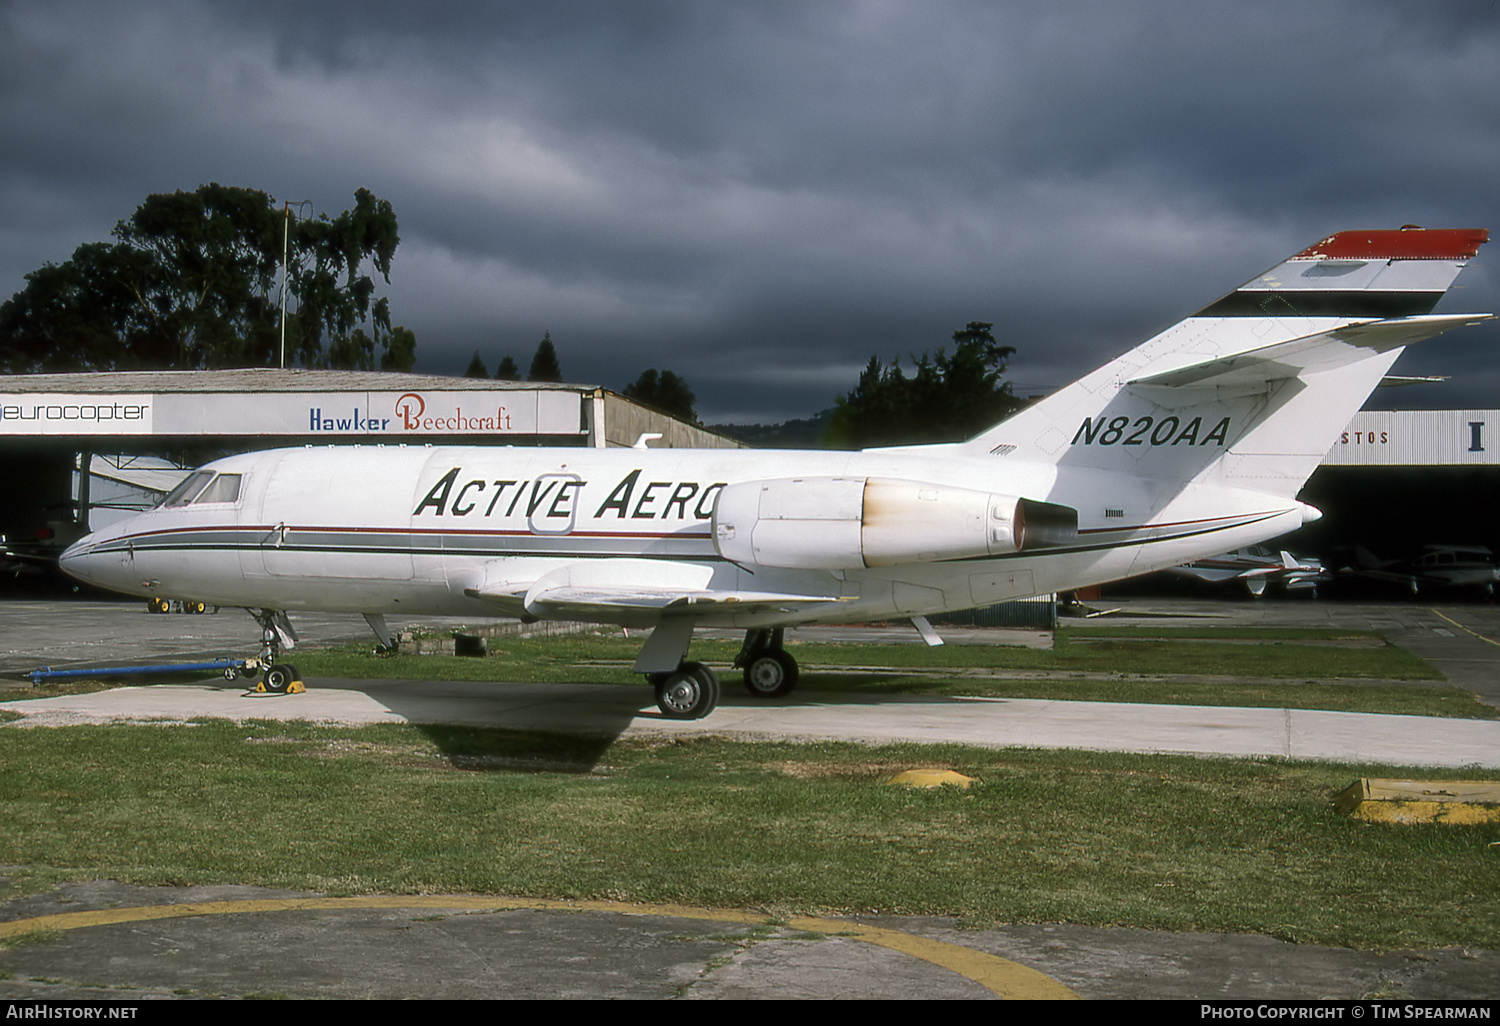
1377	574
1322	351
608	589
586	603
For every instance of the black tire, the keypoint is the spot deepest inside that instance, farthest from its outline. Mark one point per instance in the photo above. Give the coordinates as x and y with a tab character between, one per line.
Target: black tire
279	677
771	675
689	694
158	605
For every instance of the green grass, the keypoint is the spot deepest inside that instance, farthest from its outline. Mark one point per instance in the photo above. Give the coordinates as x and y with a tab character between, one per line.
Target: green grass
1236	633
606	657
1100	839
1394	700
42	936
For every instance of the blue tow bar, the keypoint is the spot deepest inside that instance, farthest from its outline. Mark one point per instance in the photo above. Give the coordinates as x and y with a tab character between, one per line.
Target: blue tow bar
230	667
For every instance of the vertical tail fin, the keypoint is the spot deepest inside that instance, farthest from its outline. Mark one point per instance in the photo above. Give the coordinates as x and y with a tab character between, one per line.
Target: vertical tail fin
1253	389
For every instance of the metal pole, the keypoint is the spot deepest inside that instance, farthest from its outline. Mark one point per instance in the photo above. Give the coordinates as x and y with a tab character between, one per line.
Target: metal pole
85	470
286	227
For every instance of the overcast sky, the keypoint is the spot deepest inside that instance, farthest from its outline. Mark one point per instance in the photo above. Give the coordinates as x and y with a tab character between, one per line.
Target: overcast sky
759	196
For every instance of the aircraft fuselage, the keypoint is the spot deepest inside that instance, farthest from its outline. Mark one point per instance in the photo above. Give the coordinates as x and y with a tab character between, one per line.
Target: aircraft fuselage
425	530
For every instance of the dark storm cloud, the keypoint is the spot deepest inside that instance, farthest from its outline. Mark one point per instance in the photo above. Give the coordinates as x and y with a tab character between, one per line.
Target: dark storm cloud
759	196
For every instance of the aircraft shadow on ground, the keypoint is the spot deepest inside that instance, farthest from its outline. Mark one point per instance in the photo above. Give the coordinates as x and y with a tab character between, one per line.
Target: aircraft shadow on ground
498	727
569	728
508	750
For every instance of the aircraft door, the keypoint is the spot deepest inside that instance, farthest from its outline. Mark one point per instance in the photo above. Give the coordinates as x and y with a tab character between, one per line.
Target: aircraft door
325	515
250	527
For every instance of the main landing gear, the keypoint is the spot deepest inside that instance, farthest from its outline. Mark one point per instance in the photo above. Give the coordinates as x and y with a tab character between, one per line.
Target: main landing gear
684	690
770	671
689	693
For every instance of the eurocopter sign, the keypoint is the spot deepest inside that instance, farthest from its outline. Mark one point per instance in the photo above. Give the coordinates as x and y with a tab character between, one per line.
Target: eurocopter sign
372	415
55	414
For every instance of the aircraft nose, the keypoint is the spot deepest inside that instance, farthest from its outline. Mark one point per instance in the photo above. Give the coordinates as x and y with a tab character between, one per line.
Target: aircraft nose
75	552
78	560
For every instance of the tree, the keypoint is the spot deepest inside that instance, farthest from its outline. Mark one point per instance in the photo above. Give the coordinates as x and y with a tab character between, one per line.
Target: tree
507	371
476	368
947	399
194	280
401	352
544	365
666	392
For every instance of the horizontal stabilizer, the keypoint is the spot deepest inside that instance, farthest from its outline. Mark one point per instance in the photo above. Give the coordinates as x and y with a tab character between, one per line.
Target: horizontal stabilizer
1322	351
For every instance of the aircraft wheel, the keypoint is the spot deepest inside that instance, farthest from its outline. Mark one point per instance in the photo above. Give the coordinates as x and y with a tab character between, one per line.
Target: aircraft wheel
158	605
279	677
194	607
771	675
689	694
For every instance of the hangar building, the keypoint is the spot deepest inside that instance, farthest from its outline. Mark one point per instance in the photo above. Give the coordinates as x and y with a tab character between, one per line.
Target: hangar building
1397	481
47	420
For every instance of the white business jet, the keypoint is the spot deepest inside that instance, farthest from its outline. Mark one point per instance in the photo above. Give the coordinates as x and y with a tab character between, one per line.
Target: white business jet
1193	443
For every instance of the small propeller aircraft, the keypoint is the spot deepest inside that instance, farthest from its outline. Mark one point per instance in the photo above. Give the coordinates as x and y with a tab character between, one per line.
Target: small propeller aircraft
1193	443
1255	566
1436	567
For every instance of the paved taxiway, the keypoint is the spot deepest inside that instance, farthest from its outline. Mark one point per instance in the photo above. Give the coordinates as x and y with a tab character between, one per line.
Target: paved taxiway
298	946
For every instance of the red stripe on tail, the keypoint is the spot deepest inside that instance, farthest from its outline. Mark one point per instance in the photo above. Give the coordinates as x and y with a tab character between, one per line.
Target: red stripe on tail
1399	244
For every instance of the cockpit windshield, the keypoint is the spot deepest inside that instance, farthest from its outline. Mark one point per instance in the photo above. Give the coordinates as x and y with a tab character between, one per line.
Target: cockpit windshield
203	486
225	488
188	490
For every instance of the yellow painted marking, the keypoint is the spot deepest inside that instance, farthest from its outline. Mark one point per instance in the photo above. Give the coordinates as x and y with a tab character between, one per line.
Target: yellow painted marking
1005	978
1461	627
1000	975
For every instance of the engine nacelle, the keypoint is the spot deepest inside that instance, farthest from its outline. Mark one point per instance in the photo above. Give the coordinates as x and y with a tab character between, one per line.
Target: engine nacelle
842	523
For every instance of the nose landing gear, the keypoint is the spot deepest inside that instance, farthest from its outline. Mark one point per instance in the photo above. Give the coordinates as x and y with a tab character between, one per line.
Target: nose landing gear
276	633
281	679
